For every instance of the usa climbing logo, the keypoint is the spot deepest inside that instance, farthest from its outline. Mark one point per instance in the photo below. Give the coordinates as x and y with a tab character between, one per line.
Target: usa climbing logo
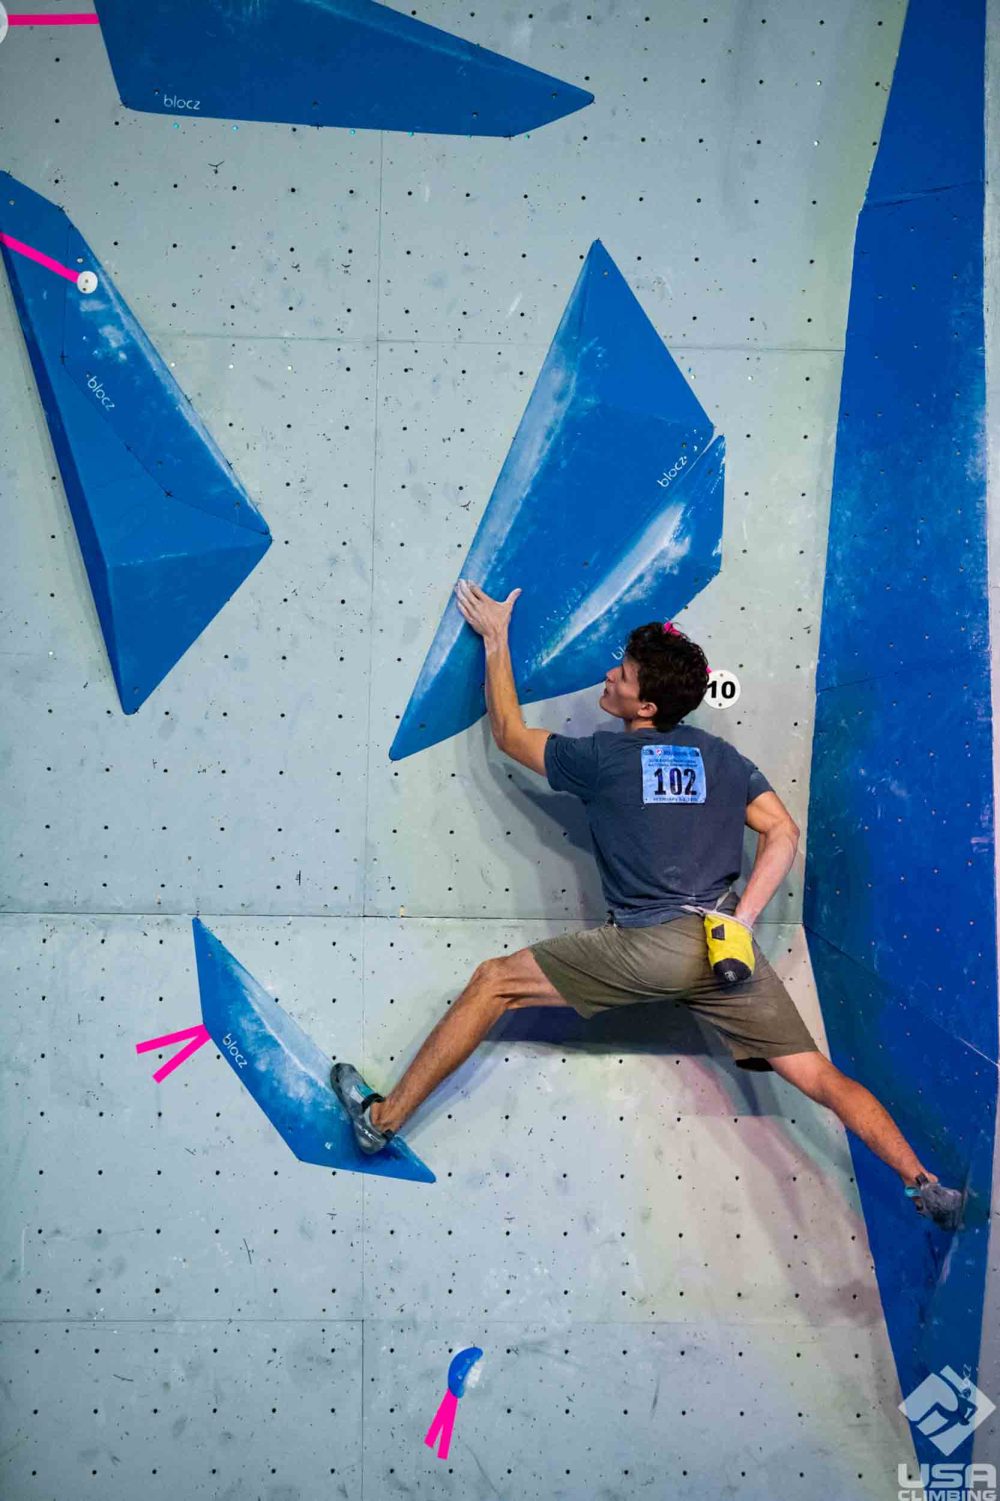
947	1408
948	1482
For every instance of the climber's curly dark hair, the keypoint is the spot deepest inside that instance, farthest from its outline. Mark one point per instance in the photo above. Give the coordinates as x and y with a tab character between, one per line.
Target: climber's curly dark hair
672	669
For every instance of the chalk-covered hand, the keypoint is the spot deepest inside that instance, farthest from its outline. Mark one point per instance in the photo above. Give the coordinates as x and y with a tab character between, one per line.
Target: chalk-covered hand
488	617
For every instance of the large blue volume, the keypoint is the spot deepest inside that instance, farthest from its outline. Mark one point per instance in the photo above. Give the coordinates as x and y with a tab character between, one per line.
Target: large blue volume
284	1070
900	901
607	513
166	530
321	62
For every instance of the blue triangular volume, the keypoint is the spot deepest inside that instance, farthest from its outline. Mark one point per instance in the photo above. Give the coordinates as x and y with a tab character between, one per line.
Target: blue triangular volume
284	1070
607	513
166	530
322	62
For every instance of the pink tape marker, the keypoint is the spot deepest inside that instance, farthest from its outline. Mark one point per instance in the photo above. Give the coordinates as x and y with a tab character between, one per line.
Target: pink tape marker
443	1425
81	18
199	1035
37	255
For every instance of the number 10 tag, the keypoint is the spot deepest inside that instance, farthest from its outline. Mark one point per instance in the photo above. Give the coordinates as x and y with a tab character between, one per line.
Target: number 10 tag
672	774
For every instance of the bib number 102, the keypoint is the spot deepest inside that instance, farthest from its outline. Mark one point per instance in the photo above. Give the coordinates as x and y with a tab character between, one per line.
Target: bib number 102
672	774
682	781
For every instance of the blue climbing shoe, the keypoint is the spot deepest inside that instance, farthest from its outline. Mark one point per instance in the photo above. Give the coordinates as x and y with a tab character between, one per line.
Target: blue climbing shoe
357	1099
942	1205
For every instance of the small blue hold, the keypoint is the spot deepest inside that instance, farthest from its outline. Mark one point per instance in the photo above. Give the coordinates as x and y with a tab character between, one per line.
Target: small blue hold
461	1365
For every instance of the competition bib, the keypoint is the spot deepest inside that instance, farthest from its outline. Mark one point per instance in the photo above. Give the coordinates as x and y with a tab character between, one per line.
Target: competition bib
672	774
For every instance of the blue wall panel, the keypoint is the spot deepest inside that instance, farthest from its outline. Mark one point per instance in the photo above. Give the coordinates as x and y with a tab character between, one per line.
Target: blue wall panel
900	906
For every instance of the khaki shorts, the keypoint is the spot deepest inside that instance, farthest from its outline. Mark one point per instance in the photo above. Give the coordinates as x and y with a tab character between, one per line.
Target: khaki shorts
612	966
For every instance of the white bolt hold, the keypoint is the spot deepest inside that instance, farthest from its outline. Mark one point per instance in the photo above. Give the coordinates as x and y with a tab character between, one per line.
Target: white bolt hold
86	282
3	23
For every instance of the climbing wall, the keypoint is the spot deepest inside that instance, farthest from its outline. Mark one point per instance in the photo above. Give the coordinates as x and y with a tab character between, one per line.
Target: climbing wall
665	1262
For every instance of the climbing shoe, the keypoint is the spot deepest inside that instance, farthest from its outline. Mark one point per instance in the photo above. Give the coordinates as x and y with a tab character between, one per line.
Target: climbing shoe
357	1099
942	1205
730	945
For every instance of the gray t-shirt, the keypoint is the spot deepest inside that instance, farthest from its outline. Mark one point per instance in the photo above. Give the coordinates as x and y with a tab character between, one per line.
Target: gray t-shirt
666	811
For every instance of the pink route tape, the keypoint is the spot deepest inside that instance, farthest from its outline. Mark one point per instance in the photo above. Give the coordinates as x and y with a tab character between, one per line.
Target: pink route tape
199	1035
443	1425
81	18
37	255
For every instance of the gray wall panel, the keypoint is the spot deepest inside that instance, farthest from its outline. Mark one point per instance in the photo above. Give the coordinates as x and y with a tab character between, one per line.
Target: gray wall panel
665	167
213	1411
149	1397
238	786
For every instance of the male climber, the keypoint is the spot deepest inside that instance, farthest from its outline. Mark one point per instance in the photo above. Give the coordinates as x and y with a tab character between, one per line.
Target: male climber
667	805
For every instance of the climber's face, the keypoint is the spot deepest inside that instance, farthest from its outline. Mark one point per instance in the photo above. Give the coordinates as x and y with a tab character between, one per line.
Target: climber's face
621	697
